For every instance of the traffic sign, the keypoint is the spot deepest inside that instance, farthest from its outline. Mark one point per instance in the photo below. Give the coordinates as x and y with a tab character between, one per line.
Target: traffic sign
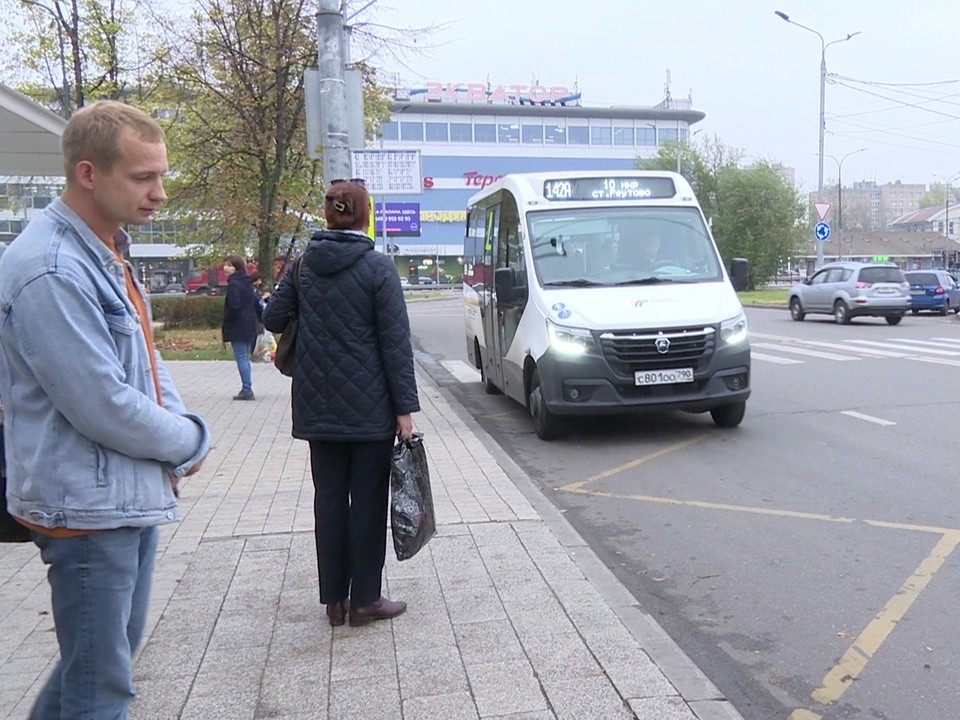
822	231
822	207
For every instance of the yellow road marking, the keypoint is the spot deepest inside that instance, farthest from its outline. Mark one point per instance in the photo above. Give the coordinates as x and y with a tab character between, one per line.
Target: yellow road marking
855	659
868	642
578	487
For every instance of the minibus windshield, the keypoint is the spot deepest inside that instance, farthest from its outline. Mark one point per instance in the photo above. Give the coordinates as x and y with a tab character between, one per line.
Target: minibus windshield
608	246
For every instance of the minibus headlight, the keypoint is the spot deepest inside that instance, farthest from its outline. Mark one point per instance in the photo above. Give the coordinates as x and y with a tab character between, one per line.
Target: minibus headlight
734	331
569	341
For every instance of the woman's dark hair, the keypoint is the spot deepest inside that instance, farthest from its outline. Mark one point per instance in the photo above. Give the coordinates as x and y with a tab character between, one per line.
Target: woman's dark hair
238	264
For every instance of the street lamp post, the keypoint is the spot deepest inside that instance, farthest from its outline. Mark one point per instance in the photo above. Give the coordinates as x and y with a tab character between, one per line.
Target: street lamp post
823	82
840	199
946	216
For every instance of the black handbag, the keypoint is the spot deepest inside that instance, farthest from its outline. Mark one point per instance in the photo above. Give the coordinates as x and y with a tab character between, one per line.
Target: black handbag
412	519
10	530
286	355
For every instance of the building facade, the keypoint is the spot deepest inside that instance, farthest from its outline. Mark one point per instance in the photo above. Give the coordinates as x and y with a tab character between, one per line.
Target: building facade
471	134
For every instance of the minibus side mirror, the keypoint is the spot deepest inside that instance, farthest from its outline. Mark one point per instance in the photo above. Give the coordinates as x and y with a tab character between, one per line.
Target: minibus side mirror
739	274
505	284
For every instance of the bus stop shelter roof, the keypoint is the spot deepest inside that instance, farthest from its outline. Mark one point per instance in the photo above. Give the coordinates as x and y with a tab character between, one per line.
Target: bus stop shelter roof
29	137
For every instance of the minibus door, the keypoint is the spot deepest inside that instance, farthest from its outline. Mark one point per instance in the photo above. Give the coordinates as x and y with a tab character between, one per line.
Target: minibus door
489	311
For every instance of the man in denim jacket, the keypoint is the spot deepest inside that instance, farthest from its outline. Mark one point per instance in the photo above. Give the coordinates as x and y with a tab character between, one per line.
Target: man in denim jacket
97	436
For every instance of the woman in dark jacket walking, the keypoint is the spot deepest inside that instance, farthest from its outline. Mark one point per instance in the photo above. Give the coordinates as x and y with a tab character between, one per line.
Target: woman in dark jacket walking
240	310
354	390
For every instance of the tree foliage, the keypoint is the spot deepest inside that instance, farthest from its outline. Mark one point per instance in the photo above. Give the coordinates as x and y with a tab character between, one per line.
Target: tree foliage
235	102
238	132
755	211
937	196
75	51
227	83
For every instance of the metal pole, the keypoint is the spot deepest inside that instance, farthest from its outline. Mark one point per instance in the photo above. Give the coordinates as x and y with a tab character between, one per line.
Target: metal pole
946	217
678	147
333	95
840	199
839	213
823	85
823	82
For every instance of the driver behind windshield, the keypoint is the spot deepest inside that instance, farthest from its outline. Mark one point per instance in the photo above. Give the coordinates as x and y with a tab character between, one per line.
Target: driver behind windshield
639	250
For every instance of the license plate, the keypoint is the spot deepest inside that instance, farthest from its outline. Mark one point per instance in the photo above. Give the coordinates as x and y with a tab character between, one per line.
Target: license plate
663	377
918	292
885	291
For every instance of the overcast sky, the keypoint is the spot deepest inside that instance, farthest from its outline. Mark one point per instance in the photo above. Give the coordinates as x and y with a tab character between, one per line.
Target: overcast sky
756	77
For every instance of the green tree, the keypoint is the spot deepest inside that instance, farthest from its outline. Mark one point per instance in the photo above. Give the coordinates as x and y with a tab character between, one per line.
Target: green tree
758	217
70	52
244	180
235	104
936	196
755	212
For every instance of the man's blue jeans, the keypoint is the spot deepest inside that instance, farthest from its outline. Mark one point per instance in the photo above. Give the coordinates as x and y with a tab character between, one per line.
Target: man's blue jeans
241	351
100	585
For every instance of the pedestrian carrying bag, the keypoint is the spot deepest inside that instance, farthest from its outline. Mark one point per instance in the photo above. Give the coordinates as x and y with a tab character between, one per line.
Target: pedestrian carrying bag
412	520
286	355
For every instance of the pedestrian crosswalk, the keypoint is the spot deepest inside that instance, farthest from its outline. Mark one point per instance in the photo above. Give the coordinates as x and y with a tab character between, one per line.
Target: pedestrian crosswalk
785	350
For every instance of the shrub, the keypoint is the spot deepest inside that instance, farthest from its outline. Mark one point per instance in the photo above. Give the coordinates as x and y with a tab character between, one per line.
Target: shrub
188	311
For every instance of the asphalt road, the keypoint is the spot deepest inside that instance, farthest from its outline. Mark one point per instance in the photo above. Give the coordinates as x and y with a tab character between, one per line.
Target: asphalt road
805	559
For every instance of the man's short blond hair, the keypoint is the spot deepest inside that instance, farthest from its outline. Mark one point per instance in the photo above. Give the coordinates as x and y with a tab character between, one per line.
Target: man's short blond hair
93	133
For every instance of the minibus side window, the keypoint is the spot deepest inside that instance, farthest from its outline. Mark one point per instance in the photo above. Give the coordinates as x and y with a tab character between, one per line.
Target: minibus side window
511	243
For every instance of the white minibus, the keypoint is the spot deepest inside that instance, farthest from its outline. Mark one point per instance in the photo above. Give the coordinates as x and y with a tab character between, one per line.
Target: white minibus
598	293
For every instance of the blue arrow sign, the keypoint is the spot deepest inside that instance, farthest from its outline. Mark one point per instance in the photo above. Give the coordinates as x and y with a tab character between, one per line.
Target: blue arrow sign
822	231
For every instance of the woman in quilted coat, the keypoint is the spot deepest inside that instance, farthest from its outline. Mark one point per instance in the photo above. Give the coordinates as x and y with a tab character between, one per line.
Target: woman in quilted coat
353	390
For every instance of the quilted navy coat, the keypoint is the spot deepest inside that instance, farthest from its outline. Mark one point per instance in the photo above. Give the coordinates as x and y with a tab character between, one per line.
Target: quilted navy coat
354	361
240	309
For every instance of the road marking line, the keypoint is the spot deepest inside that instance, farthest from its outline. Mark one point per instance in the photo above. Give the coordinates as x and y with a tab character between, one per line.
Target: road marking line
774	359
462	371
578	487
783	347
868	418
936	361
925	343
839	679
892	343
801	714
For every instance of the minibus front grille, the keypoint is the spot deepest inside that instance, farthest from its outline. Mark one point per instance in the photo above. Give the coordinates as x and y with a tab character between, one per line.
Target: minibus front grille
628	351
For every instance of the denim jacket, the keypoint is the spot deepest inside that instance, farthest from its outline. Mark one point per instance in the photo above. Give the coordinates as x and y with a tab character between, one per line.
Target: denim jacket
87	444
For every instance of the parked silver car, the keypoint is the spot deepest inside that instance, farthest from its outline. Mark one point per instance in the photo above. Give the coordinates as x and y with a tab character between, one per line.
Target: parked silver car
849	289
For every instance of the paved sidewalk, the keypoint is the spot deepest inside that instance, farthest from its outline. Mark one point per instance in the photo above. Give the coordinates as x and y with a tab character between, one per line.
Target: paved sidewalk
510	613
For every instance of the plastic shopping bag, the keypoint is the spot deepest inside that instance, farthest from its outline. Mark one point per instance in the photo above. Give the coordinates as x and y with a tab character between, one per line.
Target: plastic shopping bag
265	347
412	519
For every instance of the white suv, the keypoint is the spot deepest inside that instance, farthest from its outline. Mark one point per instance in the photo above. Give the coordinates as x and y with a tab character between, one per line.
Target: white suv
848	289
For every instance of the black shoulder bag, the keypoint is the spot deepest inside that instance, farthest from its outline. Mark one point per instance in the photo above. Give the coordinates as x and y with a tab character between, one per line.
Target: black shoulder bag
286	355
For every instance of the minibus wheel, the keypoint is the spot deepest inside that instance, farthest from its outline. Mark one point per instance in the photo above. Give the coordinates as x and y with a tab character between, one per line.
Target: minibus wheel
488	387
728	416
547	425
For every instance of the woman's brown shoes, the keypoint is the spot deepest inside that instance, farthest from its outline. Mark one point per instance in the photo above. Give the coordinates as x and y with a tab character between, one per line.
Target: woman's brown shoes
337	612
379	609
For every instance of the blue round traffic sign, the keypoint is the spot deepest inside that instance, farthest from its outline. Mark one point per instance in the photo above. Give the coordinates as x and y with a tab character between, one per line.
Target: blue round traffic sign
822	231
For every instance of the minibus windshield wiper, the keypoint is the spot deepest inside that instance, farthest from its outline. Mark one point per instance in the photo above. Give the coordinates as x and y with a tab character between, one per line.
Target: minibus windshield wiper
646	281
579	282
